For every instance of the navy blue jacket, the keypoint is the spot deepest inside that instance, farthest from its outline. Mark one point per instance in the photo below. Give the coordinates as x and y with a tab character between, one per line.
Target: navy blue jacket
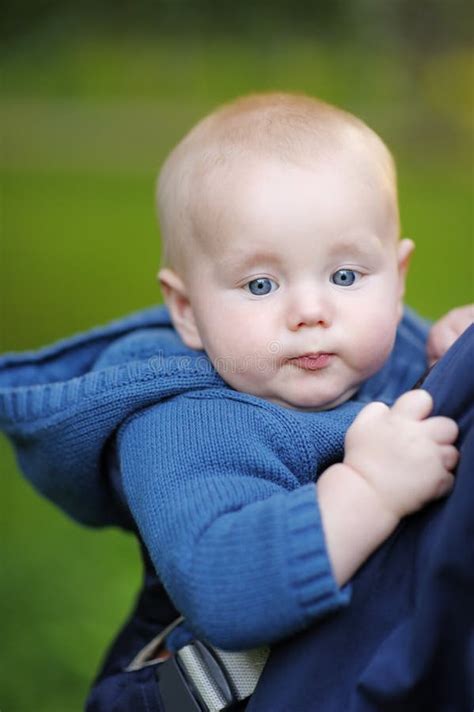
406	642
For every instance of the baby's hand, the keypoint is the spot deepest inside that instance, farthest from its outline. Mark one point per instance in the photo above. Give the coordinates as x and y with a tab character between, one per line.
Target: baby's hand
405	456
446	330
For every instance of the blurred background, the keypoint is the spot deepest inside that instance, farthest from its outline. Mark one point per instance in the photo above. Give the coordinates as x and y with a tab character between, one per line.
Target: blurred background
94	95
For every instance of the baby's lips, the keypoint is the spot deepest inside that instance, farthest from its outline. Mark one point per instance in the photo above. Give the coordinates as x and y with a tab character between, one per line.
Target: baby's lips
312	361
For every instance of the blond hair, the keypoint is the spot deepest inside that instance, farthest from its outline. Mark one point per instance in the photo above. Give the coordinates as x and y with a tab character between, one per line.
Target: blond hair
293	128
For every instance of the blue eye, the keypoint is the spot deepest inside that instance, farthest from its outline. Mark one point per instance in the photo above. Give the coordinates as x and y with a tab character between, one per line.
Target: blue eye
344	277
261	286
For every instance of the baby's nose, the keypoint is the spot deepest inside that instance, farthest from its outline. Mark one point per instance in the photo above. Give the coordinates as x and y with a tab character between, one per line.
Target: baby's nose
309	309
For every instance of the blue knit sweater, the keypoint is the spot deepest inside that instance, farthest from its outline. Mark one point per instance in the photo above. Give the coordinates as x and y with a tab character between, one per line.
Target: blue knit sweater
220	483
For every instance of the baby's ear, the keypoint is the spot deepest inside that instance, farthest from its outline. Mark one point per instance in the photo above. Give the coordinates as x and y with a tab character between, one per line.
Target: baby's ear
405	250
177	300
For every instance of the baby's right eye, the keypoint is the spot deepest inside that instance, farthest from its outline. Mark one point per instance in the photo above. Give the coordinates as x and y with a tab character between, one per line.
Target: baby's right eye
261	286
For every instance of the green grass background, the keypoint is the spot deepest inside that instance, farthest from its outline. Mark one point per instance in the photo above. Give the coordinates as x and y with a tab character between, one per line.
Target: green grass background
85	126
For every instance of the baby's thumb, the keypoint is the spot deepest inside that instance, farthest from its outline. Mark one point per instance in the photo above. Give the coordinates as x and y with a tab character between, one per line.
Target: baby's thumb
416	404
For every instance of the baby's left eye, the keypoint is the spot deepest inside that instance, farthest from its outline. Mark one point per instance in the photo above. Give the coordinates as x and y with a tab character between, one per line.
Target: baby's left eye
345	277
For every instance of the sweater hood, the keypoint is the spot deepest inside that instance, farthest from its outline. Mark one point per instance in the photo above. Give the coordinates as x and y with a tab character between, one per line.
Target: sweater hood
60	405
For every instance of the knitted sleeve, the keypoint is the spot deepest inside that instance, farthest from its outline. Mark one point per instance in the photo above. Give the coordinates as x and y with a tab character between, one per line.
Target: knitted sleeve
234	533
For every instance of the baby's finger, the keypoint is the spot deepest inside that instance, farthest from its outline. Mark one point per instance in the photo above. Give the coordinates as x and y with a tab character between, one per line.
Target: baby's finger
443	430
414	404
445	485
449	457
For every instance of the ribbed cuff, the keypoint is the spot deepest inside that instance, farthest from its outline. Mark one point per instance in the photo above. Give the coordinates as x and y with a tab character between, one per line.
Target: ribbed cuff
315	587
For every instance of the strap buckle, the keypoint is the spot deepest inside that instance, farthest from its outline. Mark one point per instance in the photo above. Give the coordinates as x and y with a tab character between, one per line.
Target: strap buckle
219	679
200	677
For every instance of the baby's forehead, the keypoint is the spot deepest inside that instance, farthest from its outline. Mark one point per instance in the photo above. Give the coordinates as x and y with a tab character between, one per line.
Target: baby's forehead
240	209
217	167
207	170
223	187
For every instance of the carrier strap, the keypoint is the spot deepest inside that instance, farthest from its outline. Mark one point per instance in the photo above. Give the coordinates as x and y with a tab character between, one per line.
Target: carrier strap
202	677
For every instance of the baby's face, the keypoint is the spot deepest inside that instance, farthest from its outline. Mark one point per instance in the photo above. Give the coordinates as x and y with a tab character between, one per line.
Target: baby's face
296	288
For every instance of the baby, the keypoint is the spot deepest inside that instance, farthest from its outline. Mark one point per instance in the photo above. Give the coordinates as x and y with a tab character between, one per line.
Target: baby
280	224
268	443
283	264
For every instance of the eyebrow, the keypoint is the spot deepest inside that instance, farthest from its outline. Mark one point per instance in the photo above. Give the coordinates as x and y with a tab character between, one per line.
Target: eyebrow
342	247
244	261
369	244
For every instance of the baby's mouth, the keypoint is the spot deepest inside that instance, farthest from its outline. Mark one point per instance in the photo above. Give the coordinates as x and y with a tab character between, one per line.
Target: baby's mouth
312	361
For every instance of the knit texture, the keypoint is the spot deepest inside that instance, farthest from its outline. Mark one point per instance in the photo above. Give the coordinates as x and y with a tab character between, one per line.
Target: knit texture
60	406
220	483
226	505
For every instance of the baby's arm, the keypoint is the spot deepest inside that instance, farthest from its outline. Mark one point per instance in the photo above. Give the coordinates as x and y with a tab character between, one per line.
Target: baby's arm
229	515
396	461
225	502
447	329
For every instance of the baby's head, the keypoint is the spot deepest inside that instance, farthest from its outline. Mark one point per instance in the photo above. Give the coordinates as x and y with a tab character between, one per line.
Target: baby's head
283	262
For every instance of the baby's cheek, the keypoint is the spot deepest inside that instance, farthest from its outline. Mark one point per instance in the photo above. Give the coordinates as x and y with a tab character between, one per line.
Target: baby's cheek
239	360
376	345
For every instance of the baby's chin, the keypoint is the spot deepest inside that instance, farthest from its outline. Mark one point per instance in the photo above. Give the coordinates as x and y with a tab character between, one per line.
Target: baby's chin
311	402
296	396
